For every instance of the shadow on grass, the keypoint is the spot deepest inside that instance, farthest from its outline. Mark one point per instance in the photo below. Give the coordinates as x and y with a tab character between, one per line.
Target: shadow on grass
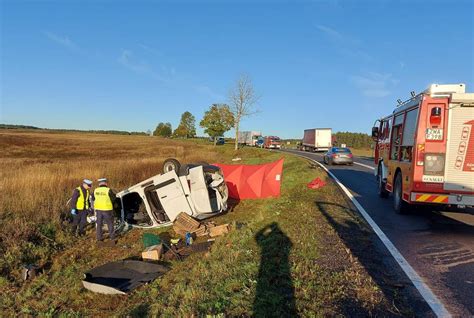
275	293
383	269
142	310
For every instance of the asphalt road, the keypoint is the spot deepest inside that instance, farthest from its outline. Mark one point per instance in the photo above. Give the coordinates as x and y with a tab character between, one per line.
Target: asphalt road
438	245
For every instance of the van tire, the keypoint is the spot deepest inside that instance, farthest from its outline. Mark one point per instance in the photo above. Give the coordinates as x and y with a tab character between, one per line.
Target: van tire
382	191
400	206
171	164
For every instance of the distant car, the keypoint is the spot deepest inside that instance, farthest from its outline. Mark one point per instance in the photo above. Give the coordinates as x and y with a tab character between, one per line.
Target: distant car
337	155
220	141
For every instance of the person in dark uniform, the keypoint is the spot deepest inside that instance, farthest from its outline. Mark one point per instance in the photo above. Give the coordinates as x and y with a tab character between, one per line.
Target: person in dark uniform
80	205
103	200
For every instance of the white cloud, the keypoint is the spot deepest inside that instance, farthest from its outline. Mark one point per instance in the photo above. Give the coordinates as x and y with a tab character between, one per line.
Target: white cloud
149	49
128	60
375	84
347	46
206	90
62	40
332	33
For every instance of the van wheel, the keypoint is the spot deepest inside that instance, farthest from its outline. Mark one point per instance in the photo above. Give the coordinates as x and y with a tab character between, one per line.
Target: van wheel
382	191
171	165
400	206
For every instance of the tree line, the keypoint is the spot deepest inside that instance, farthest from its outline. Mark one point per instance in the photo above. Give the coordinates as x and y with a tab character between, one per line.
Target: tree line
353	140
59	130
219	118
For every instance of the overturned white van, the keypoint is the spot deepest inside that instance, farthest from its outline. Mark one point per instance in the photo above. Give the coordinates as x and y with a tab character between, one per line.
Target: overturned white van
196	189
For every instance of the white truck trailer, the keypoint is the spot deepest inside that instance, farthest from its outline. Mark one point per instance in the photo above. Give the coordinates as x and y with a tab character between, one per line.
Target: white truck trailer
249	138
317	139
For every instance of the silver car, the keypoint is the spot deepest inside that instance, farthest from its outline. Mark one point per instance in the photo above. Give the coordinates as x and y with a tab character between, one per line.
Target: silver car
337	156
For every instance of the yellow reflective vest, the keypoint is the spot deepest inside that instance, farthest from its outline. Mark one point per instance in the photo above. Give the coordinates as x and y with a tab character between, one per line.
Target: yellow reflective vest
102	199
82	202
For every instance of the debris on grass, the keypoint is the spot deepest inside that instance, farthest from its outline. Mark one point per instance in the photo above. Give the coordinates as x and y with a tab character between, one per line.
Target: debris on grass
29	271
184	223
316	184
150	239
219	230
121	277
153	253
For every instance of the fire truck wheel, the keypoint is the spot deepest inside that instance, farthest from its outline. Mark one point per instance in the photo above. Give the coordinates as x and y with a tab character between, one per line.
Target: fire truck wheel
170	165
400	206
383	193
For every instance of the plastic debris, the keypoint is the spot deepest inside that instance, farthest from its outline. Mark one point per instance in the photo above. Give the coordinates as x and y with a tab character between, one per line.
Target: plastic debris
316	184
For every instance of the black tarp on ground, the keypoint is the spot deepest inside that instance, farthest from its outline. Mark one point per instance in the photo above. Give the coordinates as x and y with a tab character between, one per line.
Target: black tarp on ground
120	277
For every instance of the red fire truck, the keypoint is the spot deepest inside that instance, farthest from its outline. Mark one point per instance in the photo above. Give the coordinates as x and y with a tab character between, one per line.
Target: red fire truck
272	142
425	149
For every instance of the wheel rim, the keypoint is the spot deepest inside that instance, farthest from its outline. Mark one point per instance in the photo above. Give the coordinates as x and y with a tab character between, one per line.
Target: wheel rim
169	167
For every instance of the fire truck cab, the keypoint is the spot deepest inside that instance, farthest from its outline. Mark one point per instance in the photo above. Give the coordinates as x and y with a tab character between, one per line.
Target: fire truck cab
424	150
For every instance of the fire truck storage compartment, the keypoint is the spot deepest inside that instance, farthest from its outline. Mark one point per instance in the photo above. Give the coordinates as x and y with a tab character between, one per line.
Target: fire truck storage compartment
459	173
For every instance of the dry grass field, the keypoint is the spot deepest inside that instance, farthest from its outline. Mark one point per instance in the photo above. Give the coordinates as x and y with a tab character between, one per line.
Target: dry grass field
38	172
363	152
318	259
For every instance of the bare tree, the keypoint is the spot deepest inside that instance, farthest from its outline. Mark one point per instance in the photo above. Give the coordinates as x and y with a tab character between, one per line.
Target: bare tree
242	100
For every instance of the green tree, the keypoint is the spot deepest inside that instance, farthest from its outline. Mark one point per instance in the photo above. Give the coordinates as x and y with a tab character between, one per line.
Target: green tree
163	130
186	127
217	120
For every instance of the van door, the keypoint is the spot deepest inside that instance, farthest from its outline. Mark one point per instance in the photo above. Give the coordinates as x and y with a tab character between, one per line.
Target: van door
199	190
171	195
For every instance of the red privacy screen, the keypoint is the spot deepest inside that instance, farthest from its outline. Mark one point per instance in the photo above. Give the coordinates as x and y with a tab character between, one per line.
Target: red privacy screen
253	181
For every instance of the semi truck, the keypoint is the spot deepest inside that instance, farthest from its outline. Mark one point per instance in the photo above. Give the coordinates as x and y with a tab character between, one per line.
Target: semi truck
317	139
424	150
249	138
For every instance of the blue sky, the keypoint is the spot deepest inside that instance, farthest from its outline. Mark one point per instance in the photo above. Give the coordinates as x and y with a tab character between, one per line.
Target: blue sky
128	65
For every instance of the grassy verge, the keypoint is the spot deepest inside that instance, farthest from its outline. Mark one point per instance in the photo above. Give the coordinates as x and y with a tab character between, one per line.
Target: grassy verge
306	252
363	152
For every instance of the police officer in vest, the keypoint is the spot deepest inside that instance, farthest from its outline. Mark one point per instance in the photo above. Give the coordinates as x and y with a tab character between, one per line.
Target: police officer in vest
103	199
80	205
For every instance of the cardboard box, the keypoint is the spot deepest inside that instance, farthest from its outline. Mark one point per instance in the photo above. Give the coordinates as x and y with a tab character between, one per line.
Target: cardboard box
185	223
153	253
201	231
219	230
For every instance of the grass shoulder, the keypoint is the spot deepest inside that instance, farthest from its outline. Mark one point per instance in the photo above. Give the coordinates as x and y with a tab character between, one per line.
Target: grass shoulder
299	254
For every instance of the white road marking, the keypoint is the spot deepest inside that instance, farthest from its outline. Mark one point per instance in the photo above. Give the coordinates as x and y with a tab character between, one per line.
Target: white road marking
366	166
435	304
